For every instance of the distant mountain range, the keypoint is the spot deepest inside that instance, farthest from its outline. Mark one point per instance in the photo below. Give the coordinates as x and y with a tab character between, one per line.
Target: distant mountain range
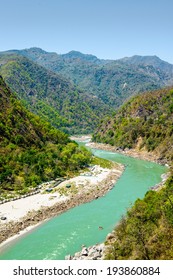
113	81
74	91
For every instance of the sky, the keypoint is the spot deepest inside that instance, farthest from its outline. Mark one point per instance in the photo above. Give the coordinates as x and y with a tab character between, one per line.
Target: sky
109	29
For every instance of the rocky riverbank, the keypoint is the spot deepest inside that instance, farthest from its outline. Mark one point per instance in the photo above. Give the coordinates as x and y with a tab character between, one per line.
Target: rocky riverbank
83	188
95	252
136	153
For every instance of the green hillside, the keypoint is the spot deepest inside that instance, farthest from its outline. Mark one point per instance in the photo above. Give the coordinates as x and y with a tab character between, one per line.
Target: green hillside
113	81
31	150
50	96
146	122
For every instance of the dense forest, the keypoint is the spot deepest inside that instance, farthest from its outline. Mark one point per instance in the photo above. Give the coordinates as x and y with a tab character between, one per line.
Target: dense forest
31	150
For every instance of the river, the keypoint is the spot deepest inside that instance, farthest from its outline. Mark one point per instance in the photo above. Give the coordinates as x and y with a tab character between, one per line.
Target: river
66	233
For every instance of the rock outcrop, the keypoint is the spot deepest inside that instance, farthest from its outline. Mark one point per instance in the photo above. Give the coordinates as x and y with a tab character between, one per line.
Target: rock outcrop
95	252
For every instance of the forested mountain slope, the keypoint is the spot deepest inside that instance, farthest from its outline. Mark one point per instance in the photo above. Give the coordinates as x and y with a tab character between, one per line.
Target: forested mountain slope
31	150
113	81
156	62
144	122
50	96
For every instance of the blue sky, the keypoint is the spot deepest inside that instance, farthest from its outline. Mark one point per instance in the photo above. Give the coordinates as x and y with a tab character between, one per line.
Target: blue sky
106	28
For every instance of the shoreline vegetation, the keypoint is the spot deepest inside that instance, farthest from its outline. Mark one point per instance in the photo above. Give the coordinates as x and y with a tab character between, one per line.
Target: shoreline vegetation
26	213
89	185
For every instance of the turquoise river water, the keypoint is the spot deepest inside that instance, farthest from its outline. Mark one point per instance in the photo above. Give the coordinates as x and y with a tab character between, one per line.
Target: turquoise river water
66	233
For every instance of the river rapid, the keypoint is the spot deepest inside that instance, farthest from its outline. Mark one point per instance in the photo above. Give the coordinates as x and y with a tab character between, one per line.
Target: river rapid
89	223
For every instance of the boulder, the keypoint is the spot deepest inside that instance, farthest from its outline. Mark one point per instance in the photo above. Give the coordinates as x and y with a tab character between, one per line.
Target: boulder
84	252
110	236
96	256
68	257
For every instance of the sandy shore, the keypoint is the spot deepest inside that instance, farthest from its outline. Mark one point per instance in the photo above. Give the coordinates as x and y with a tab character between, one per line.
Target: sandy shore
17	209
24	213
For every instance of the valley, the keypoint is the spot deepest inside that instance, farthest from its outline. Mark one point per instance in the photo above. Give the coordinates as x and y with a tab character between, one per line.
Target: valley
114	184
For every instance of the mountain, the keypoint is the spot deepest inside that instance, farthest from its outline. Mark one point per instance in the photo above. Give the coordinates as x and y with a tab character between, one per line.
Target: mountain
50	95
162	69
75	55
154	61
43	57
144	122
31	150
113	81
